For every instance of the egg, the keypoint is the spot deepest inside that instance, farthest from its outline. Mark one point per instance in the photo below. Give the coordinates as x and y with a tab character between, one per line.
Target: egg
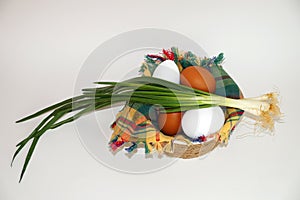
168	71
198	78
204	121
170	123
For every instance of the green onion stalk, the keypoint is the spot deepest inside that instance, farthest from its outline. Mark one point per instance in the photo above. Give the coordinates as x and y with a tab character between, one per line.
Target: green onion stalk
169	96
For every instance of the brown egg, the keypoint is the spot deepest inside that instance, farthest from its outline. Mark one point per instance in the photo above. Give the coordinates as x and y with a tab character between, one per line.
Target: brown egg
170	123
198	78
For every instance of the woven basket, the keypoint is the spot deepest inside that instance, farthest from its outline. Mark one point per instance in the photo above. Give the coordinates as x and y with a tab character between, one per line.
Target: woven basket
187	151
192	150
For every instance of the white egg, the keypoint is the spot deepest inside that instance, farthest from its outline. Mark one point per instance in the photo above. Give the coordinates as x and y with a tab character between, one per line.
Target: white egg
204	121
167	70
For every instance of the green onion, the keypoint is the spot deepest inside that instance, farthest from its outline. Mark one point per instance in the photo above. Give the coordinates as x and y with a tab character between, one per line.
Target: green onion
147	90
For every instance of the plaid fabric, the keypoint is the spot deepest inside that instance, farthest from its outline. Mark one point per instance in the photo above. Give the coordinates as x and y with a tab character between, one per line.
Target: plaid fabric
132	123
226	86
133	126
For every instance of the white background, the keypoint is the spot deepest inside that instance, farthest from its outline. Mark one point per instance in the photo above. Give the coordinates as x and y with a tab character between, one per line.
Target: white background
43	45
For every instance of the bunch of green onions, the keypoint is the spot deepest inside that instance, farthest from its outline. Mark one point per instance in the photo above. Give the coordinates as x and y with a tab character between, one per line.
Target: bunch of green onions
147	90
